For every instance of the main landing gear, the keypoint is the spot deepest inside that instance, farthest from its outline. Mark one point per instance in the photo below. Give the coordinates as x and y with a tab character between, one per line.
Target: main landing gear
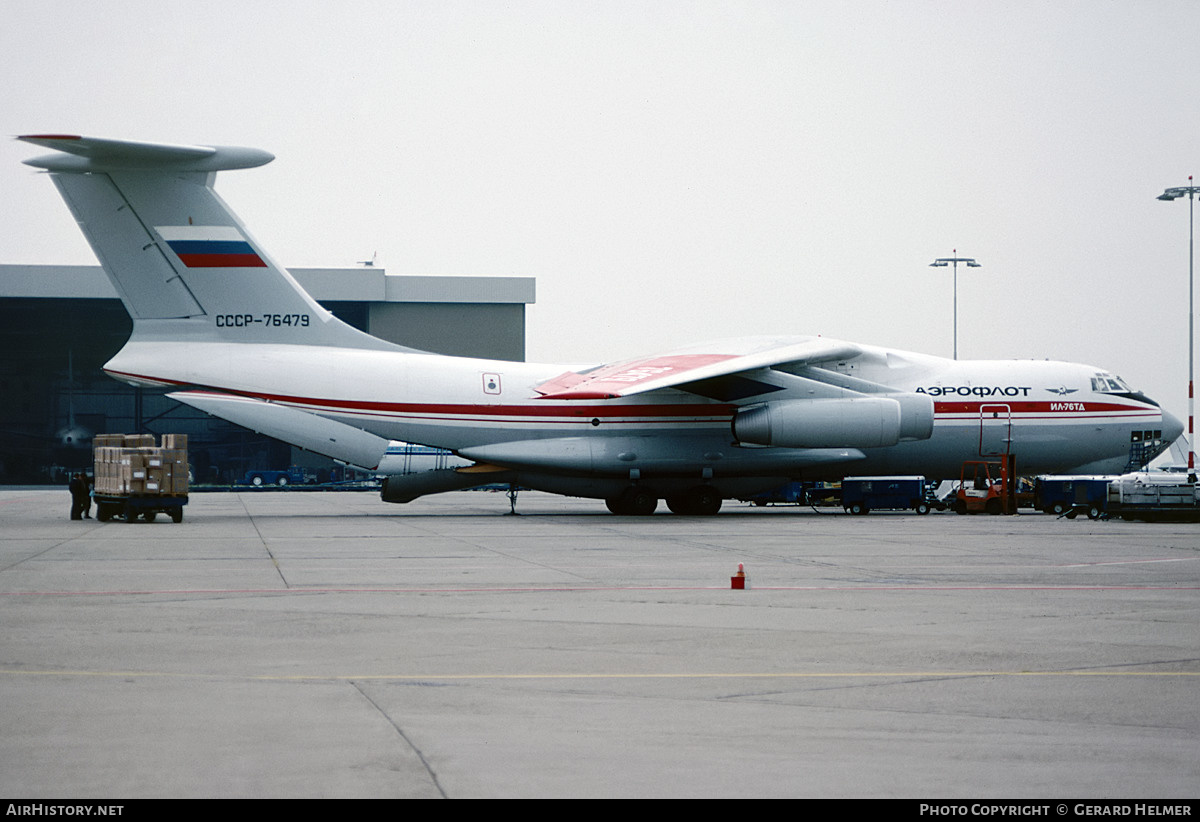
634	501
639	501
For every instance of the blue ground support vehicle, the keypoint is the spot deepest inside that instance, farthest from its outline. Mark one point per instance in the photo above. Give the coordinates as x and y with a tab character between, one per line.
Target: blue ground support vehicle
862	494
292	476
793	493
1057	495
797	493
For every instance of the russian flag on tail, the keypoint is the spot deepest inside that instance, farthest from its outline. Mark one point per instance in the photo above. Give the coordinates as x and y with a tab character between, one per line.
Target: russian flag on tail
200	246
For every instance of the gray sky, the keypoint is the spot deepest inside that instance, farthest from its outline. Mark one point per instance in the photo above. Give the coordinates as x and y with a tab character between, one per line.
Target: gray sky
674	171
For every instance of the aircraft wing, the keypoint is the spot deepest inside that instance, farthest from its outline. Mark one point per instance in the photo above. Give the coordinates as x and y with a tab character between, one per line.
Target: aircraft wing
687	365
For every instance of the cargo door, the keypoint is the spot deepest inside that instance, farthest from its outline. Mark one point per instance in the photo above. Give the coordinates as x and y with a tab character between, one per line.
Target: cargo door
995	429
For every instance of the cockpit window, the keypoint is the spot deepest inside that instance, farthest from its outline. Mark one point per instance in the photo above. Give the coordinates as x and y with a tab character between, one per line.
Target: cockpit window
1108	384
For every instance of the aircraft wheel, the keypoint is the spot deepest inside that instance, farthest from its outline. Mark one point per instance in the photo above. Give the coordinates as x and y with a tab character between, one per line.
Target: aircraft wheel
641	501
634	502
703	501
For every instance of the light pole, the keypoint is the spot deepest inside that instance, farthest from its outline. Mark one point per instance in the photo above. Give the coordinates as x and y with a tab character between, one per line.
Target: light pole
1174	194
942	262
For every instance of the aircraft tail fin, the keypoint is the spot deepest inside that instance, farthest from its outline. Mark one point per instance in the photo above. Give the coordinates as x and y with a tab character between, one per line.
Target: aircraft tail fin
182	262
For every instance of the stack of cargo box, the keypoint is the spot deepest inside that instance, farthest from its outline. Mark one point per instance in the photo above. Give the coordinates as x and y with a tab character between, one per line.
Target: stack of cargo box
132	465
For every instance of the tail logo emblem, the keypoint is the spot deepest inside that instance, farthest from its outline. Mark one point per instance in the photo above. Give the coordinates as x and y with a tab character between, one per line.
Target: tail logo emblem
199	246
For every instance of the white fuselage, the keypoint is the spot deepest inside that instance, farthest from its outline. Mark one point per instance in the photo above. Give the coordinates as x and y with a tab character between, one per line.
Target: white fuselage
1045	413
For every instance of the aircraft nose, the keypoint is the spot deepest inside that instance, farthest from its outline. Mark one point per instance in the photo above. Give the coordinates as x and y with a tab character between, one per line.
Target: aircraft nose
1172	427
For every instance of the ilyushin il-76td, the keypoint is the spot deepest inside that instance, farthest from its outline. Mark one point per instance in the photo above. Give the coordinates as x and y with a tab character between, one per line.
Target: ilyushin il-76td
219	321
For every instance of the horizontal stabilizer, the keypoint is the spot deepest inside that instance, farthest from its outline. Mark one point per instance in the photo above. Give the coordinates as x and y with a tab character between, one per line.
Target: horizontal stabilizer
91	154
308	431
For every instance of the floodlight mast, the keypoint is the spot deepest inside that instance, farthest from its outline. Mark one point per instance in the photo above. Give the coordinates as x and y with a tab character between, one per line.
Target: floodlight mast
942	262
1174	194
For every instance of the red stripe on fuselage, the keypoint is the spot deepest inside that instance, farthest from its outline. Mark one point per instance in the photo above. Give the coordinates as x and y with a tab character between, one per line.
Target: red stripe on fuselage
537	409
1053	408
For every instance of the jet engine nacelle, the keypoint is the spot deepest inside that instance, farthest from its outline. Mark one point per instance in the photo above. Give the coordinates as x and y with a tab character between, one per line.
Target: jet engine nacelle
858	422
407	487
916	416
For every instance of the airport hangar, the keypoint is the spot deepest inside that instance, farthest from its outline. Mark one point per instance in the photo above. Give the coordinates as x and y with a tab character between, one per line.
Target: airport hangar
59	325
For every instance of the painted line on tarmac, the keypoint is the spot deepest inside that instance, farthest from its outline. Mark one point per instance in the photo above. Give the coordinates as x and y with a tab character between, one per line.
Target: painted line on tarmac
744	675
699	675
1127	562
584	588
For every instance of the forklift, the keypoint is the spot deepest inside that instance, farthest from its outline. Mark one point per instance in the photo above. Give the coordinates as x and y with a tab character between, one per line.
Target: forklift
986	487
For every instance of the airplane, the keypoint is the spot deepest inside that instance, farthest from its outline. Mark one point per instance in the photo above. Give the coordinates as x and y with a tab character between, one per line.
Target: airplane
217	320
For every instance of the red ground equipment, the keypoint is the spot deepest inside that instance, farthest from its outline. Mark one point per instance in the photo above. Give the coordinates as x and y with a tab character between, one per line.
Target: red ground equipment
982	488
